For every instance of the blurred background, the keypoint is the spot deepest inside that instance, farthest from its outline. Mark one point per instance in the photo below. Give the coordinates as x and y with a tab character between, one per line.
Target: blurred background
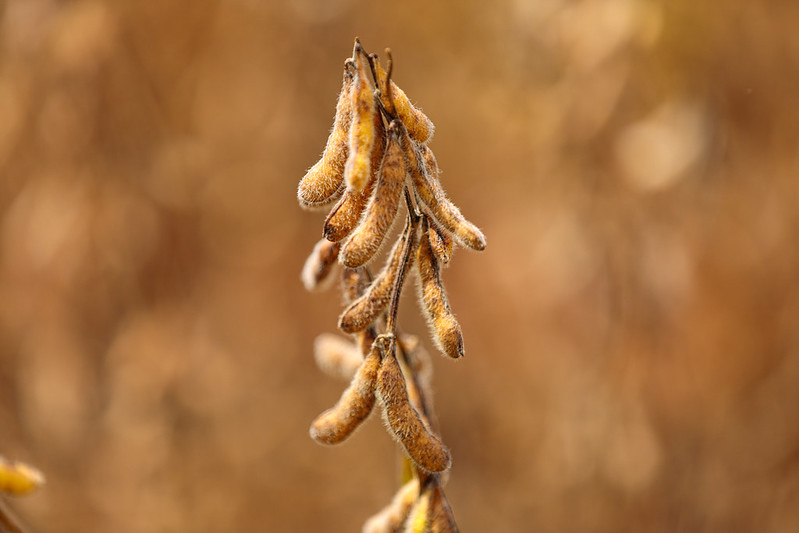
632	329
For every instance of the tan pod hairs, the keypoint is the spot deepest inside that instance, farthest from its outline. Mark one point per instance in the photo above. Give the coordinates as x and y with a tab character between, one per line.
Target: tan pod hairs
338	423
346	214
431	513
353	283
324	181
423	447
425	180
440	241
362	131
363	311
433	298
419	126
382	209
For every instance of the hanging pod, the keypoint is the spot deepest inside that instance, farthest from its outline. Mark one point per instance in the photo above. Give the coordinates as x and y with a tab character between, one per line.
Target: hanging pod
420	127
444	326
323	183
365	310
423	169
383	205
421	444
431	512
355	404
346	214
363	133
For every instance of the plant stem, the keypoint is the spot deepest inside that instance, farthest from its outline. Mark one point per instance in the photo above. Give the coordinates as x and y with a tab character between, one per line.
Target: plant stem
410	240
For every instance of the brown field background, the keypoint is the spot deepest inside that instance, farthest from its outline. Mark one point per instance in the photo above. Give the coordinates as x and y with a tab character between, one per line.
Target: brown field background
632	330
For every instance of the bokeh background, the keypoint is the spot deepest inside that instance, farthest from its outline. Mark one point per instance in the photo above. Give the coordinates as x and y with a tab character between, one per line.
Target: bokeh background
632	329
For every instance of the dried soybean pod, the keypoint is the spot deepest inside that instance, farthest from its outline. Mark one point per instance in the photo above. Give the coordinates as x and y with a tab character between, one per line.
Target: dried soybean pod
417	520
363	311
416	366
19	478
338	423
353	283
431	513
440	241
362	132
444	211
336	356
423	169
364	242
365	339
419	126
392	516
344	217
442	519
323	183
423	447
346	214
443	325
319	264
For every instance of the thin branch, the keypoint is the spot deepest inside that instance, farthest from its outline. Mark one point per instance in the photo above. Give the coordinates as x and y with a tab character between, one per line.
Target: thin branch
389	94
372	58
412	206
407	247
